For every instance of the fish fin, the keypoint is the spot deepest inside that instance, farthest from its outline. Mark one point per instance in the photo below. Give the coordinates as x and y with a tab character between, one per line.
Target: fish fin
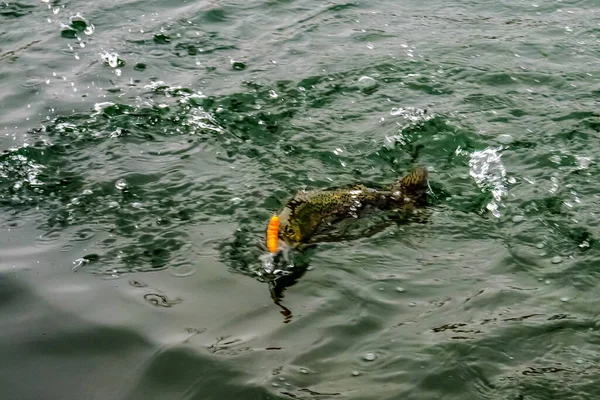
415	182
293	204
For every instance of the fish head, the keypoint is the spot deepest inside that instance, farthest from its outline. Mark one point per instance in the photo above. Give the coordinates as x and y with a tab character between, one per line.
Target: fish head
290	232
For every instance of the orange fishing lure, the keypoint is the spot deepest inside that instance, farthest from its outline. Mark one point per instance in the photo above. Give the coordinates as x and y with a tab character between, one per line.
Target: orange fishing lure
272	233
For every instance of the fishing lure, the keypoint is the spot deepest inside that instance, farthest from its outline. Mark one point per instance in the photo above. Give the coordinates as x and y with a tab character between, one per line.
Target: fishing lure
272	233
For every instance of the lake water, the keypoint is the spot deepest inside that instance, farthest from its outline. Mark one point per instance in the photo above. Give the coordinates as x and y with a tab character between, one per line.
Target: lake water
144	145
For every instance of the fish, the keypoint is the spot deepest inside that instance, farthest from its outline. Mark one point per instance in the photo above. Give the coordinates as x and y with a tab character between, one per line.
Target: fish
308	215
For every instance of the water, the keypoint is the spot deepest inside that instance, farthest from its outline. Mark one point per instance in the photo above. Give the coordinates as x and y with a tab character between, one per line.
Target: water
146	144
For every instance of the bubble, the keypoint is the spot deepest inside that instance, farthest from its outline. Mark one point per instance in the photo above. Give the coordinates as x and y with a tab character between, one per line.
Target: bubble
370	46
370	357
121	184
540	245
118	72
303	370
505	139
412	304
273	94
400	289
367	83
564	299
518	218
556	260
355	373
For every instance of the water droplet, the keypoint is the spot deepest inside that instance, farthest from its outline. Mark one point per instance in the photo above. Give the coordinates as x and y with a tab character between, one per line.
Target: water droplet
412	304
370	357
89	29
556	260
564	299
540	245
547	281
111	58
518	218
370	46
303	371
355	373
400	289
121	184
486	168
118	72
273	94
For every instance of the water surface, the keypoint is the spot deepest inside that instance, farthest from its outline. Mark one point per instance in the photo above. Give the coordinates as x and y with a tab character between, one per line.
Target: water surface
145	145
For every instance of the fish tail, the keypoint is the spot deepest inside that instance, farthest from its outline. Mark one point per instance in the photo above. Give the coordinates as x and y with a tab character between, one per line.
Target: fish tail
415	183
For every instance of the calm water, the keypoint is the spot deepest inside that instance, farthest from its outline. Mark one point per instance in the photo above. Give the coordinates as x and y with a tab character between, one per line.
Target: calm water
146	143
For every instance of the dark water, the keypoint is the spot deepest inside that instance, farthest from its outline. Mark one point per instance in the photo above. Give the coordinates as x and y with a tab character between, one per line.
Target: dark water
145	145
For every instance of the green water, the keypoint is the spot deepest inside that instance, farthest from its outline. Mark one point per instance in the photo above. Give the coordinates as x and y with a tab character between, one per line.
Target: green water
145	145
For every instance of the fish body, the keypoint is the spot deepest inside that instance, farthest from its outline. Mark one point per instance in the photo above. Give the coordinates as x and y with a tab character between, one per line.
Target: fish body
311	212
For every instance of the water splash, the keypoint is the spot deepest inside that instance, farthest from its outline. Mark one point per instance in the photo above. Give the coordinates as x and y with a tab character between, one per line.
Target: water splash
411	117
486	168
274	265
112	59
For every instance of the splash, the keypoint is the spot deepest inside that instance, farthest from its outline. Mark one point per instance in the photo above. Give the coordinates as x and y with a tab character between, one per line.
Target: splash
486	168
275	265
411	117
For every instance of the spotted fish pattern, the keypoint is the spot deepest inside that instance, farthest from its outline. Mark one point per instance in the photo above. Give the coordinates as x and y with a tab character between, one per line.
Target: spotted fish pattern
308	212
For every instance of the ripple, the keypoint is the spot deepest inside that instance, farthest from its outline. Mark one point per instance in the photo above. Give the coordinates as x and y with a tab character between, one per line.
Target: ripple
159	300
